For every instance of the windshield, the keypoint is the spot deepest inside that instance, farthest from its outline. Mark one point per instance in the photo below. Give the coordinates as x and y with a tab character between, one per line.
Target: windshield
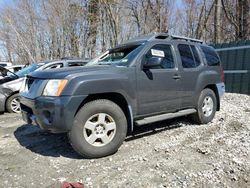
119	56
27	70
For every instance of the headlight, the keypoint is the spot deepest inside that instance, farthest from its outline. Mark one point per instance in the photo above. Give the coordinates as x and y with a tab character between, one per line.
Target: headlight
54	87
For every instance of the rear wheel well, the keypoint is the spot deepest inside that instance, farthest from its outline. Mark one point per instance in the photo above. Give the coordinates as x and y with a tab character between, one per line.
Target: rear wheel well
214	88
117	98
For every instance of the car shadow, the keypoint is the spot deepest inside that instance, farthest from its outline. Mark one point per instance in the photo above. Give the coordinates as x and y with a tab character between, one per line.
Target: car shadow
45	143
56	145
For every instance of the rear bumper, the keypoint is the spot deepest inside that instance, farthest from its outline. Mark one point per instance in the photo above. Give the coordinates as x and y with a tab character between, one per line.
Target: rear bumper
221	88
55	114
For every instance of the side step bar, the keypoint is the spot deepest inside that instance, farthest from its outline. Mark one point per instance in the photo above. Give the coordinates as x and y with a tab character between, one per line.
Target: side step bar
161	117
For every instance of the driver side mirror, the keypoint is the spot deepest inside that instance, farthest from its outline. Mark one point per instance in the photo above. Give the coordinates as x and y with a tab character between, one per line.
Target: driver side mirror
152	62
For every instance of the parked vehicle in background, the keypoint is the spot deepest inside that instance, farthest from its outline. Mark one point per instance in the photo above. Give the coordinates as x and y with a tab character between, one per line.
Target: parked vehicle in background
10	84
15	68
145	80
5	64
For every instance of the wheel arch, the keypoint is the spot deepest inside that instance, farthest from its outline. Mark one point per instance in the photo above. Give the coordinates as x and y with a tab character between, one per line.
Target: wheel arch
215	90
11	94
117	98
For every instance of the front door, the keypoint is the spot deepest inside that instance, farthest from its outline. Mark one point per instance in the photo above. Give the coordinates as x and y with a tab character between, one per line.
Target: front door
158	87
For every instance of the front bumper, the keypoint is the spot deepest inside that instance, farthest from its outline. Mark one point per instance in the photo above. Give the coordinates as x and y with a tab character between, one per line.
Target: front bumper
55	114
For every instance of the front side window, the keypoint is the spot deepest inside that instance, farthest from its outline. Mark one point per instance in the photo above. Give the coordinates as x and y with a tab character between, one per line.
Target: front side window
162	51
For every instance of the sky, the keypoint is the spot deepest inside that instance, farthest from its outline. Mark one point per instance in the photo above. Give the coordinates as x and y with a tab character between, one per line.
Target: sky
178	2
8	2
4	3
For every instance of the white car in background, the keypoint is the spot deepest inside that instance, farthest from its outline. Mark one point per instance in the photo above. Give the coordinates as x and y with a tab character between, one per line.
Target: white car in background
5	64
14	68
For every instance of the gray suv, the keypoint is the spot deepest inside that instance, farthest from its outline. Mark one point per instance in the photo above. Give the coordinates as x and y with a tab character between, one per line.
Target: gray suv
145	80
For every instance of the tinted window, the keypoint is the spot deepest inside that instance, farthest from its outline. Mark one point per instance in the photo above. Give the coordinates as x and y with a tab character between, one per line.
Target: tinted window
73	64
211	56
17	69
164	51
54	66
186	56
196	56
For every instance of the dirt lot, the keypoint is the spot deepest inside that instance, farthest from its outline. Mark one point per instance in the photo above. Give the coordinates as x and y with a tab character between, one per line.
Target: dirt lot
174	153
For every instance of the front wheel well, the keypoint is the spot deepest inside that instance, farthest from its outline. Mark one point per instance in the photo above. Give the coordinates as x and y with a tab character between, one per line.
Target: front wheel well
214	88
117	98
13	93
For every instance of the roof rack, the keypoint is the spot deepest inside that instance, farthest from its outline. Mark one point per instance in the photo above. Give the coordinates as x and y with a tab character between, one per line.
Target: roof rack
174	37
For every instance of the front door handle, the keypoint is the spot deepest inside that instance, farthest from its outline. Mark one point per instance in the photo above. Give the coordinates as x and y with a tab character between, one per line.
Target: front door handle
176	77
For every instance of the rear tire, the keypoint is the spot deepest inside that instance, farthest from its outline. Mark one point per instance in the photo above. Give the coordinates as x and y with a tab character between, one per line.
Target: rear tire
99	129
13	104
206	107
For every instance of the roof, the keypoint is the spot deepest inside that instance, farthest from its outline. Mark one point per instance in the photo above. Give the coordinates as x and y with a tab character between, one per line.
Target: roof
160	36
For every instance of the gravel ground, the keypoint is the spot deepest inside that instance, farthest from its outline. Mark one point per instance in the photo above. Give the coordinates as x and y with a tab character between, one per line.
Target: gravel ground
173	153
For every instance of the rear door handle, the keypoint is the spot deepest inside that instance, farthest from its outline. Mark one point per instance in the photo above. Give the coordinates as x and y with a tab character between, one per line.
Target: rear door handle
176	77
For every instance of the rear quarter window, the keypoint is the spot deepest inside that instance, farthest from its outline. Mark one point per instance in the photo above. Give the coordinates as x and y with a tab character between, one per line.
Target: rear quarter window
211	56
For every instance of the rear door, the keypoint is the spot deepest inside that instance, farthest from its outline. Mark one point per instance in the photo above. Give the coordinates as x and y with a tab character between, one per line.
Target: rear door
191	69
158	87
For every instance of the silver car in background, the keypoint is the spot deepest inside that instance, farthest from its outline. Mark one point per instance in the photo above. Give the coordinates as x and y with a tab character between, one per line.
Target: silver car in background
10	82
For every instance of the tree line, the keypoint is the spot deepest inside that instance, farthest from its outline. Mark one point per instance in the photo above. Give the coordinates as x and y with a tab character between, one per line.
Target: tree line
34	30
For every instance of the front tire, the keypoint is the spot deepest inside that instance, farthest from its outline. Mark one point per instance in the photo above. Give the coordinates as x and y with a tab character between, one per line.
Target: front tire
206	107
99	129
13	104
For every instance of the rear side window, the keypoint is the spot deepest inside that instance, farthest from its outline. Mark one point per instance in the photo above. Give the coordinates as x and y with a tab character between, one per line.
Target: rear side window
211	56
187	58
196	56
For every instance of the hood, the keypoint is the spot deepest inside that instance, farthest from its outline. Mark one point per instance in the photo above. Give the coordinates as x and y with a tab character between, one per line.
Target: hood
6	75
13	85
71	71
